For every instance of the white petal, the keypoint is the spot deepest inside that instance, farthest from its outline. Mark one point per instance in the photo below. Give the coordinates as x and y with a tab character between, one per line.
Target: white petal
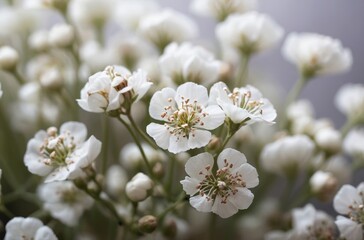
45	233
197	164
159	101
346	196
201	203
217	91
77	129
190	185
232	156
198	138
214	118
224	210
178	144
250	175
193	92
160	134
348	229
242	199
236	114
58	174
87	153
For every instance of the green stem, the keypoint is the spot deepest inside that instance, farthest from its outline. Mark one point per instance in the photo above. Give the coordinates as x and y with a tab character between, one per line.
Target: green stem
243	71
292	96
141	133
169	182
349	124
180	199
106	130
18	77
136	140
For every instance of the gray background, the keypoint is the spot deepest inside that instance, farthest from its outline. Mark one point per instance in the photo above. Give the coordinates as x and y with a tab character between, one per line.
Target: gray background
342	19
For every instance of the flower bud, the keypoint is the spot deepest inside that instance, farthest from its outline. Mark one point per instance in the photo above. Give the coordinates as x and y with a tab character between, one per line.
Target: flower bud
9	58
51	79
170	228
158	170
323	185
214	143
61	35
147	224
38	40
328	139
138	187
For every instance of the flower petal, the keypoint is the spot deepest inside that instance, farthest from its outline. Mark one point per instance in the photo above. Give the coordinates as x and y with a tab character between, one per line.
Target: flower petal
223	209
160	134
201	163
198	138
190	185
232	156
201	203
159	102
214	118
193	92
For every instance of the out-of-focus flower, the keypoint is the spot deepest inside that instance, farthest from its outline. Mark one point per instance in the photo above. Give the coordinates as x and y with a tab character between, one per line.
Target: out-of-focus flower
249	33
61	35
9	58
115	88
28	228
328	139
38	40
17	21
349	201
221	9
91	12
309	223
61	155
287	155
116	179
299	109
323	184
64	201
138	187
350	100
244	105
353	143
129	13
131	158
316	54
1	91
223	192
167	26
188	63
186	115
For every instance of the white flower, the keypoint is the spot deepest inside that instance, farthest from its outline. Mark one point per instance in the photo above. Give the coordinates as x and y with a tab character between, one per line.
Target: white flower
244	105
220	9
309	223
129	13
350	100
188	63
64	201
9	58
115	88
90	11
316	54
249	33
131	158
349	201
61	35
28	228
353	143
166	26
116	179
328	139
225	191
349	229
288	154
138	187
187	117
61	155
299	109
1	91
38	40
324	185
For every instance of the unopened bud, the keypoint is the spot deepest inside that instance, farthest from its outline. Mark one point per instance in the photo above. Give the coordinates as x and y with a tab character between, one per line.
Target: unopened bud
9	58
147	224
61	35
226	72
39	40
170	228
214	143
51	79
323	185
138	187
328	139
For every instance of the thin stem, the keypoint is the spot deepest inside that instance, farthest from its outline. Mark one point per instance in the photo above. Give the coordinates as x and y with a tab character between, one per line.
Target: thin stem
18	77
292	96
136	140
243	71
106	130
169	182
349	124
180	199
141	133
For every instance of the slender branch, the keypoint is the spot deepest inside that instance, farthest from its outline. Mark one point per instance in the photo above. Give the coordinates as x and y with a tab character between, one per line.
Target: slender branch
243	71
106	130
141	133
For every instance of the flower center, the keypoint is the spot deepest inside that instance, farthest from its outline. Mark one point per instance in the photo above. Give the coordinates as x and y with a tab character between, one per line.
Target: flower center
182	120
357	213
223	183
57	149
244	101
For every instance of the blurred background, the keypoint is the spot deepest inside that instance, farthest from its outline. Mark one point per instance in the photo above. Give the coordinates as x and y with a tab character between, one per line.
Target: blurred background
339	19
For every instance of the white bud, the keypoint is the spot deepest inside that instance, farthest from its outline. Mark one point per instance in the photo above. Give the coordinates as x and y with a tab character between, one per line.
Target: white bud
51	79
116	179
9	58
137	188
39	40
328	139
61	35
323	184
